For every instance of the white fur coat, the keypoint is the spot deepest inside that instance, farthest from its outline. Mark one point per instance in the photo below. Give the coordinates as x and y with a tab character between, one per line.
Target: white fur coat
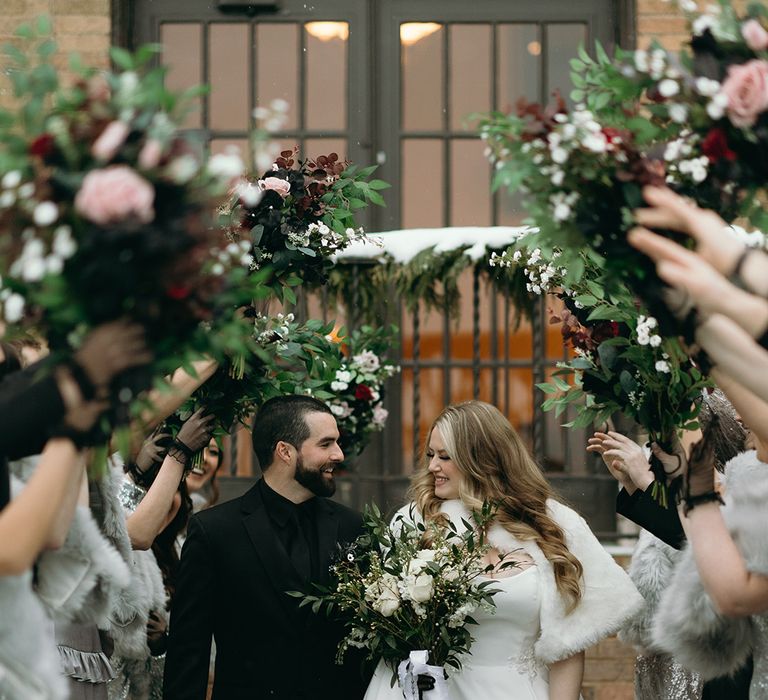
651	568
608	600
80	581
686	624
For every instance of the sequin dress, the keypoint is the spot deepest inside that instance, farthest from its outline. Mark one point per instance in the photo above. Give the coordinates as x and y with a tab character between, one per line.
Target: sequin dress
501	665
758	689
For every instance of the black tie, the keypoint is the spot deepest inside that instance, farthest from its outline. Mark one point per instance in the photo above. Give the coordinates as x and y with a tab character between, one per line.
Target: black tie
300	556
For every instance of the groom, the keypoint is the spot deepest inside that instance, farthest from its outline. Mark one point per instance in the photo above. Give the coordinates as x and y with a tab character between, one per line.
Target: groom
242	556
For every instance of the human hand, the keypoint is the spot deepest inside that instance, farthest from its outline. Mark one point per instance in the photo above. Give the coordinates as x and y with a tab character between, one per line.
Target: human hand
152	451
689	274
196	431
424	683
674	462
700	477
157	638
624	458
110	349
669	210
155	626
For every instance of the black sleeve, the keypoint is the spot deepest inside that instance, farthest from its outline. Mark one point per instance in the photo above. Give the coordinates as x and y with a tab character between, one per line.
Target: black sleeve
30	405
191	625
641	508
5	483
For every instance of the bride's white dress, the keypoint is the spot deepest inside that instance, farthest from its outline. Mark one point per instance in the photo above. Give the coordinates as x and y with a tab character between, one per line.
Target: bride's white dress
501	665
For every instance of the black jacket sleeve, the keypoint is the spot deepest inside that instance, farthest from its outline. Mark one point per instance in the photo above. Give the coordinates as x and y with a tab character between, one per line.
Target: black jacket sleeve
641	508
30	405
191	625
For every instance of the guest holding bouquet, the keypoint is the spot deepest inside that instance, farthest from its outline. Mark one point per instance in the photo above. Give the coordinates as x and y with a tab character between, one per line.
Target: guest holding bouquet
565	592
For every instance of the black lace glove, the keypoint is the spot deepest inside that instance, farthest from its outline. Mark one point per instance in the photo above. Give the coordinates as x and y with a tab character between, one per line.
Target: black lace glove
699	479
424	683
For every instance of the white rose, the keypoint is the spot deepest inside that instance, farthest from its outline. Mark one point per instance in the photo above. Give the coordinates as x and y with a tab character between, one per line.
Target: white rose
450	574
54	265
45	213
343	376
559	155
596	143
678	113
11	179
14	308
561	212
388	601
668	88
338	386
707	87
33	269
63	244
420	588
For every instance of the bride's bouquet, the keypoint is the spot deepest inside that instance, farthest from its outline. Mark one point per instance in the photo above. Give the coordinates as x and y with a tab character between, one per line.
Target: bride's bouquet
406	593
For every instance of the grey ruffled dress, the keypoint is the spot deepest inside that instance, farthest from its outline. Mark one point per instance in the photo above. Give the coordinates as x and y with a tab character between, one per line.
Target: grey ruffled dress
79	585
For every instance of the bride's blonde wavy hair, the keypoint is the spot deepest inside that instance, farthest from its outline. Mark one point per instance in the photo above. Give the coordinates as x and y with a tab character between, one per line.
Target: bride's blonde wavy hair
496	466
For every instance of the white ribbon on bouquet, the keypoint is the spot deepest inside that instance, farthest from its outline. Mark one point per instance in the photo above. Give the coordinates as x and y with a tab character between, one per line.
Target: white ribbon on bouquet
416	665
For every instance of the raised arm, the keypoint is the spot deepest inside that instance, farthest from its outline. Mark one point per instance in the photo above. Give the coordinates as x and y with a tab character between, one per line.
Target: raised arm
27	522
150	516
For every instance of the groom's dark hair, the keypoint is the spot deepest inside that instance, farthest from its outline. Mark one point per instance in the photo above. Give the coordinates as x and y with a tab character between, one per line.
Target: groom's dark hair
283	419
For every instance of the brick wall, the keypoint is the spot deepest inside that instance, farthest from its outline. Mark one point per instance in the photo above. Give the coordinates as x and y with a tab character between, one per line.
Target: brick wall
78	25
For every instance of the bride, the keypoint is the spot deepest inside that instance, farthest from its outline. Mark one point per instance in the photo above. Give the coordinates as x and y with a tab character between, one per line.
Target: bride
565	592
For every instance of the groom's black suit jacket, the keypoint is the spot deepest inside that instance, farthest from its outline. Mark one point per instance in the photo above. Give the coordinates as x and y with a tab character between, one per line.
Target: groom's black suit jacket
232	581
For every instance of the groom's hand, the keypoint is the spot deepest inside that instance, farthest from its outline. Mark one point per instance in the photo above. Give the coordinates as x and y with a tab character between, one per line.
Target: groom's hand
424	683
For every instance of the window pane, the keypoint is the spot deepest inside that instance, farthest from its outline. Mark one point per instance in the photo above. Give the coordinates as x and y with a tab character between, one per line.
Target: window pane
470	184
326	64
422	75
229	61
519	64
181	54
277	67
323	147
422	183
509	208
470	73
563	41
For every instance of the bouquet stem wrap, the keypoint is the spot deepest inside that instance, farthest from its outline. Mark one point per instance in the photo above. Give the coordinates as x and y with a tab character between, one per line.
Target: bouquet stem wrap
416	665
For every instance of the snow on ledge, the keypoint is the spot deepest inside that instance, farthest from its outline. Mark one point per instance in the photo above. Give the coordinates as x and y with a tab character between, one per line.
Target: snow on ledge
403	246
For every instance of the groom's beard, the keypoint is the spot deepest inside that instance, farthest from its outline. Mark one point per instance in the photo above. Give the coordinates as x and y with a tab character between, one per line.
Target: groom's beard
314	480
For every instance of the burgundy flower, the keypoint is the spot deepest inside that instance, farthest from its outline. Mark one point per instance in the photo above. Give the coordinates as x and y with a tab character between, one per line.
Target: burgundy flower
715	146
603	331
612	135
178	292
363	393
43	146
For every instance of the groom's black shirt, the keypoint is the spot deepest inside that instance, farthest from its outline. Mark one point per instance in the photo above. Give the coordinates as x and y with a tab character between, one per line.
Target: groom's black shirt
293	521
234	573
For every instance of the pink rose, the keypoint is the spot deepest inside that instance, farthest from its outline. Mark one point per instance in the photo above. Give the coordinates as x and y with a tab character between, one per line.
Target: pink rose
108	144
754	34
114	194
150	154
282	187
746	88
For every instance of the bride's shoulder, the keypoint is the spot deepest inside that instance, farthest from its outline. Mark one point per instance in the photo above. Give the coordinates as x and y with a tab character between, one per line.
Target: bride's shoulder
564	516
408	513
